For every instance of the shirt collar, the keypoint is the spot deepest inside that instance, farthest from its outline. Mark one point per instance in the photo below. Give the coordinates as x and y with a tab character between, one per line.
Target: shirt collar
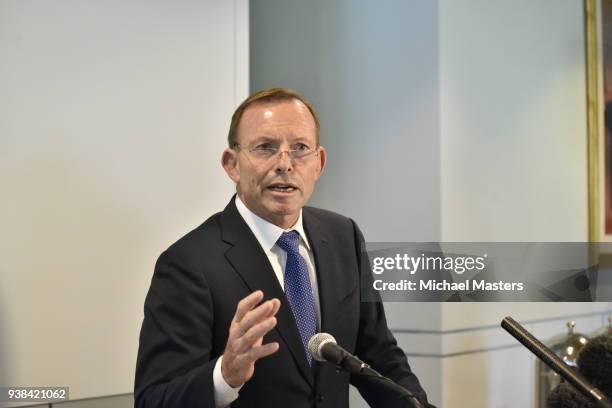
267	233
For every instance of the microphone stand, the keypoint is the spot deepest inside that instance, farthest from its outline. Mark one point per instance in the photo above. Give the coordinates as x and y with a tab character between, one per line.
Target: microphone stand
364	370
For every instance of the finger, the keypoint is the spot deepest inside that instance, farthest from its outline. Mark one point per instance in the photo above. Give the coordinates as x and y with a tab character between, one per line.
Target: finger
275	306
255	316
263	351
247	304
255	333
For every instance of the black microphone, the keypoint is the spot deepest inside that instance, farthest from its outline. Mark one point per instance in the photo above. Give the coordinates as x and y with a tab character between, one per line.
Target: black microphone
323	347
554	362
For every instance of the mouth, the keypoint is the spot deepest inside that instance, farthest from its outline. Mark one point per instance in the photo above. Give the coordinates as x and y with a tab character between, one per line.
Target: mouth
282	187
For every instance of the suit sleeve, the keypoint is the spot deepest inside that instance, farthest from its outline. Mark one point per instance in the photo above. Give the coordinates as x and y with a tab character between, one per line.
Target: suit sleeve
377	346
174	366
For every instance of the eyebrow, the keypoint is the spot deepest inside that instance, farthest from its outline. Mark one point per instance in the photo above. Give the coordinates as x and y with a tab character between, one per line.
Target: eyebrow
268	138
276	138
265	139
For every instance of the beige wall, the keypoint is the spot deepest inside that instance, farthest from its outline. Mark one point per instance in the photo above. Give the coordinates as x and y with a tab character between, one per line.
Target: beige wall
113	116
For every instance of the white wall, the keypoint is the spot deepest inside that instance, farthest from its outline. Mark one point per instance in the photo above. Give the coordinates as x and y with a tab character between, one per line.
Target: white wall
113	116
513	154
513	121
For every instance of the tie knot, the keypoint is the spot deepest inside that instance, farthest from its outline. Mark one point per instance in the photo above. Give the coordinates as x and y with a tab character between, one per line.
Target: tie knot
289	242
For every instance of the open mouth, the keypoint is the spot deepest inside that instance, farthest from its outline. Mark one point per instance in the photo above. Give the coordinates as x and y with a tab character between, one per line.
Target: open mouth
282	188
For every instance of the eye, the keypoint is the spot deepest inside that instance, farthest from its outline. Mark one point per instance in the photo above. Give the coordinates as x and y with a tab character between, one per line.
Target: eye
300	147
265	146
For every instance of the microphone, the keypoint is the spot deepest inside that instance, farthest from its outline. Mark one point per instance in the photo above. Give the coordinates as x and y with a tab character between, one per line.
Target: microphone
323	347
554	362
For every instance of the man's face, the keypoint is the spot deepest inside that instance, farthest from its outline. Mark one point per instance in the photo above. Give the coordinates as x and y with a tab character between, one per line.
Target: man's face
277	187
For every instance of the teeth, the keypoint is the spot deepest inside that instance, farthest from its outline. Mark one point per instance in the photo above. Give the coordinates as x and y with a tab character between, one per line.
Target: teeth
282	188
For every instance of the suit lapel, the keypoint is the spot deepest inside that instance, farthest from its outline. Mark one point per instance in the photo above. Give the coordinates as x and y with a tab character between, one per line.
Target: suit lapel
251	263
329	280
330	283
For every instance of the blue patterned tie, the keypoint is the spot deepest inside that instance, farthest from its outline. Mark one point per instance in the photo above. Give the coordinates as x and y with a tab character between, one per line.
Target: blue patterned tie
298	289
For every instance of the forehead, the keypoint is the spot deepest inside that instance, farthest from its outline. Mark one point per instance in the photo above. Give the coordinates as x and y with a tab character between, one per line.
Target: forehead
290	118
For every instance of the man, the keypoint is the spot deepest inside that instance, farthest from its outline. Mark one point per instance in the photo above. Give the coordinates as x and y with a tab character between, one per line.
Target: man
233	303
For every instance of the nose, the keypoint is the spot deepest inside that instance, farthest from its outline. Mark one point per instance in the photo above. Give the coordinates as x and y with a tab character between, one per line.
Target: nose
283	163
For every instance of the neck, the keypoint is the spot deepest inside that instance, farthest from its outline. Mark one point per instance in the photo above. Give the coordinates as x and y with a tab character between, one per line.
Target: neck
284	222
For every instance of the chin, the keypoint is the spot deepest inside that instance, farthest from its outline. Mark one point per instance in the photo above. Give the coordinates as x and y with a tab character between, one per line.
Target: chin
284	210
284	207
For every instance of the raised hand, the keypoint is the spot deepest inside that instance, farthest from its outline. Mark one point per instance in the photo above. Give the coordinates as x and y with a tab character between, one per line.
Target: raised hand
244	344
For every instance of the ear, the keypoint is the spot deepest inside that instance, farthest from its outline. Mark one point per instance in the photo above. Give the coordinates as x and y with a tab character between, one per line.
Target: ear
229	161
322	160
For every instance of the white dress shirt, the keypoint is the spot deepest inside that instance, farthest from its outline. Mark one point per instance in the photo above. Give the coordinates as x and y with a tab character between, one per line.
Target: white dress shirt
267	234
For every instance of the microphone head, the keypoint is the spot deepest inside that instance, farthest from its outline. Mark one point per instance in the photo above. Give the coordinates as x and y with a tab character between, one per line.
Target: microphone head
316	343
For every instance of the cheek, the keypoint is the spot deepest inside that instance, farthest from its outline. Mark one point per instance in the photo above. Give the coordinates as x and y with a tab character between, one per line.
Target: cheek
309	180
253	180
253	185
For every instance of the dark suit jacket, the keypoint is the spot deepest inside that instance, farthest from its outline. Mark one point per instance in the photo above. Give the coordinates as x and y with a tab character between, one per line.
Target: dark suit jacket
196	286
